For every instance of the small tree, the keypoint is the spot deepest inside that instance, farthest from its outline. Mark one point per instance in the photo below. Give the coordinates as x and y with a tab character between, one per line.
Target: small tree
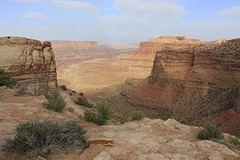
54	101
210	131
5	79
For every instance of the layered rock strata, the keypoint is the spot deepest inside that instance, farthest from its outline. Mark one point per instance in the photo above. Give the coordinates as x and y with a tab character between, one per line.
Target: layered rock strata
29	61
193	85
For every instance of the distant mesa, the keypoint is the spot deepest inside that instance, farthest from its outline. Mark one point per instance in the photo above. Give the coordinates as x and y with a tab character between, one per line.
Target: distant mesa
173	39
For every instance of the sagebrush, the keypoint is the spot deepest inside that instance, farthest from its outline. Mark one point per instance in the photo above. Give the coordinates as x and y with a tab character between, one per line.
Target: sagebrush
46	138
54	101
137	115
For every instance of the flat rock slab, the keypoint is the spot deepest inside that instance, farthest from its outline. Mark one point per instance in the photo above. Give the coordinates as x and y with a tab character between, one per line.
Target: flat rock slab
100	141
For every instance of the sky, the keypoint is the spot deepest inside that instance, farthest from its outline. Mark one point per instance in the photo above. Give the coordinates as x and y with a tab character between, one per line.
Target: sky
129	21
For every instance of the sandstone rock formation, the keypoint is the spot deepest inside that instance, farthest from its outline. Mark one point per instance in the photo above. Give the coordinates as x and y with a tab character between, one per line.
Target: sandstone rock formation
160	140
29	61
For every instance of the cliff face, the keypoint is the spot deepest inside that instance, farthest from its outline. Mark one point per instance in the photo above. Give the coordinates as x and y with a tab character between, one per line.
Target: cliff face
28	60
194	85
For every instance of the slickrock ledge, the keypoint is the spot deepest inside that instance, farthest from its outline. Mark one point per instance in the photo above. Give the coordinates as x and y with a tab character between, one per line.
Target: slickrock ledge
158	139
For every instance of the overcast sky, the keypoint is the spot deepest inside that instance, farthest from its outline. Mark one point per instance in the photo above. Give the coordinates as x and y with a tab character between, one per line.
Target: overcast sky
129	21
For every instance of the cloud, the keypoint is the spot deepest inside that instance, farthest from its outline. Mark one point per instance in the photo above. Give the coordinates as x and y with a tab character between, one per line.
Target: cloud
76	5
149	8
26	1
230	12
35	16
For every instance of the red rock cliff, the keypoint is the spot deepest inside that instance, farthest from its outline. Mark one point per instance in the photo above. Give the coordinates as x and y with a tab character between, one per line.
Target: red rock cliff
193	85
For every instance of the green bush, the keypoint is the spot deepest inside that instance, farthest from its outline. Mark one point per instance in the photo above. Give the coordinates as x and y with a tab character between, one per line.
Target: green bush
64	87
234	141
46	138
210	131
89	116
137	115
5	79
101	116
84	102
54	101
74	92
81	94
70	93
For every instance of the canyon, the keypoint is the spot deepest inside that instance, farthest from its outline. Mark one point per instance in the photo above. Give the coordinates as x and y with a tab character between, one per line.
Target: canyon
71	55
192	84
96	73
169	79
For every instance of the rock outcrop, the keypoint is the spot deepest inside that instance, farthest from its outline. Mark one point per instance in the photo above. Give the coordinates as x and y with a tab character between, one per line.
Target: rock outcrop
160	140
29	61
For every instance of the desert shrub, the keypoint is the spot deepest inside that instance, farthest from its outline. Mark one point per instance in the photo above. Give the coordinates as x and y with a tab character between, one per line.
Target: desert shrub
210	131
34	87
84	102
102	114
74	92
70	93
234	141
54	101
81	94
46	138
5	79
89	116
137	115
64	87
